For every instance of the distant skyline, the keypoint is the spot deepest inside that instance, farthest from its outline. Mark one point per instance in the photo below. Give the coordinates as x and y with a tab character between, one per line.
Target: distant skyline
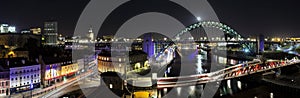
269	17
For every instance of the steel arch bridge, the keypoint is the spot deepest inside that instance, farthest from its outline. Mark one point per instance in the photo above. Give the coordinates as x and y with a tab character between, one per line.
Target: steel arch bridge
212	24
229	33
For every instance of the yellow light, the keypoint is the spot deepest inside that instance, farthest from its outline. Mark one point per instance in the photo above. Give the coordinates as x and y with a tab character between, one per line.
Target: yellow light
273	39
141	94
278	39
137	65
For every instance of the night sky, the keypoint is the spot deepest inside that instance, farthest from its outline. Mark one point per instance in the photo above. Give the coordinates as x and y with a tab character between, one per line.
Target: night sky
248	17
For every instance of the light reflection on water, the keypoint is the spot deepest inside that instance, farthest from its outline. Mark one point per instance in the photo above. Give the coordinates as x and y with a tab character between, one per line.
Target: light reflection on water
228	87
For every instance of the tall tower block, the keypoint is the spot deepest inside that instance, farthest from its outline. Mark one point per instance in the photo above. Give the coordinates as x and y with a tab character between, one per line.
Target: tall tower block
51	32
148	44
260	44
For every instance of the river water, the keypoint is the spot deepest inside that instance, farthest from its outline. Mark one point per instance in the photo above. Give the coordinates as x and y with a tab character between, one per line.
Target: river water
197	63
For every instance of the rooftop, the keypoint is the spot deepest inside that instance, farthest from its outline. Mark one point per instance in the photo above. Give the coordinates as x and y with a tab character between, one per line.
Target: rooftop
52	60
6	63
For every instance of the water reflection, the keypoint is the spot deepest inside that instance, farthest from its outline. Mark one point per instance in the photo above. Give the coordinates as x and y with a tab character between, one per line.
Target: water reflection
228	87
199	63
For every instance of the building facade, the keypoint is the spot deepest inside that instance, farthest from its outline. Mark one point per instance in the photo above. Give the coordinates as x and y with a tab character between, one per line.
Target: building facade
121	62
52	74
58	72
4	83
69	70
107	63
18	75
25	78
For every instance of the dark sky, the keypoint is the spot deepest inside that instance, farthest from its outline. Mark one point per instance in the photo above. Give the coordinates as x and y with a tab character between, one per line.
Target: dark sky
248	17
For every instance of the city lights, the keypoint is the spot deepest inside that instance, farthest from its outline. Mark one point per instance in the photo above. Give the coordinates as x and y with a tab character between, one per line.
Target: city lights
191	49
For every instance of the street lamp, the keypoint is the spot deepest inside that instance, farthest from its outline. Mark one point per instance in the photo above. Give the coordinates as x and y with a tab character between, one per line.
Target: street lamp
199	18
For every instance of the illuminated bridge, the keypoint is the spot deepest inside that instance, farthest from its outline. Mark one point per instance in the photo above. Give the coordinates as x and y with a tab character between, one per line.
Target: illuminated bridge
236	71
239	70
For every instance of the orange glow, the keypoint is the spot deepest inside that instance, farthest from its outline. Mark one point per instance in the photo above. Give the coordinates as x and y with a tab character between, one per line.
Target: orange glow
11	53
141	94
68	69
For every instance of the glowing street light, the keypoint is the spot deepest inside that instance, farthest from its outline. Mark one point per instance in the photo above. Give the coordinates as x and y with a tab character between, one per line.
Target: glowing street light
199	18
110	86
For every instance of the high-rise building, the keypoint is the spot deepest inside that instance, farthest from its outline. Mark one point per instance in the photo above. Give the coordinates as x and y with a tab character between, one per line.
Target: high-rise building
260	44
51	32
148	44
